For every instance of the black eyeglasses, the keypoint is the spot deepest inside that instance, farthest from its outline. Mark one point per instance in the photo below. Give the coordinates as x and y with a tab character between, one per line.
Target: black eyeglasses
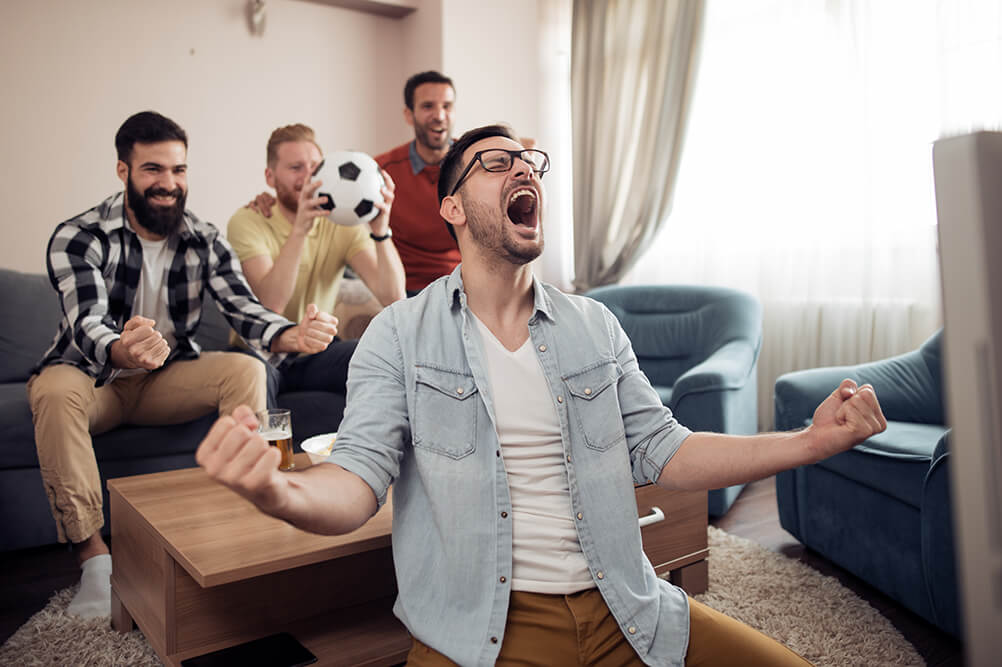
500	159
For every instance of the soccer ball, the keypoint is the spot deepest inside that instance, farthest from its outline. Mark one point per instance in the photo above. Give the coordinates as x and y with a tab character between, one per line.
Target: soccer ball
351	187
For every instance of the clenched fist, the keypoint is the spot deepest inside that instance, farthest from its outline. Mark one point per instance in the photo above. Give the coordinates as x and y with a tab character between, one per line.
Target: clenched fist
850	415
140	345
310	336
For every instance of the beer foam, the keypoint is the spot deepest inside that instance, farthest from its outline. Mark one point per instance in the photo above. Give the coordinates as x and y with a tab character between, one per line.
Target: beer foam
278	434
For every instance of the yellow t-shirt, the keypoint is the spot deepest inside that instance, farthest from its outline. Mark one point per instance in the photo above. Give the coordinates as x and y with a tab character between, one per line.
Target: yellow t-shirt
326	251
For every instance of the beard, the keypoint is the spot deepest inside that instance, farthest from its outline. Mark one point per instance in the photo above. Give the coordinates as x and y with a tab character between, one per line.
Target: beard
490	231
424	137
160	220
287	197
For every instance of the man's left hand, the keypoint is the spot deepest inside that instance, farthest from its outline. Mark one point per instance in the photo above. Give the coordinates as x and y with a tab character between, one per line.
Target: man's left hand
850	415
312	335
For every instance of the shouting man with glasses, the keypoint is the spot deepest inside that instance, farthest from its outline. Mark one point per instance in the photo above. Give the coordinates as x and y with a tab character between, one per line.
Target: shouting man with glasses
513	421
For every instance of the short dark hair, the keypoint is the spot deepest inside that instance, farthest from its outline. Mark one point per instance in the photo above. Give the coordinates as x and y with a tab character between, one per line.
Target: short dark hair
452	164
431	76
146	127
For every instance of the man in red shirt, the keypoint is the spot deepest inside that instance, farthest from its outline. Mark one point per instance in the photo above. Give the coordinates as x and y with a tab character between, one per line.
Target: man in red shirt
426	247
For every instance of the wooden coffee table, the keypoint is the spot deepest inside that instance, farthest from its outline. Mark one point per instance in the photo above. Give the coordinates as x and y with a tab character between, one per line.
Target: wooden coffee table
198	568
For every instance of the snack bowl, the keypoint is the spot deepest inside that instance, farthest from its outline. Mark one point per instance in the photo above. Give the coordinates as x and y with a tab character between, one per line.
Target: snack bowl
319	446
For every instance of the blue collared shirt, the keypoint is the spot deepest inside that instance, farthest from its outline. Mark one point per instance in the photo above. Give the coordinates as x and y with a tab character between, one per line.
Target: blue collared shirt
420	416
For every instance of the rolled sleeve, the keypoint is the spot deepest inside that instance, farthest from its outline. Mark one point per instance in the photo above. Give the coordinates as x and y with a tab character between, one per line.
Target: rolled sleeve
653	435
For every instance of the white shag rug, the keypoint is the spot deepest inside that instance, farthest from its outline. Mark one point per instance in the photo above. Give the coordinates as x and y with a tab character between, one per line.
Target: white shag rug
811	613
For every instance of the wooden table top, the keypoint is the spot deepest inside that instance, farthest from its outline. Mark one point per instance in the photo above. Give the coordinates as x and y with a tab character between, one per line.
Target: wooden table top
219	537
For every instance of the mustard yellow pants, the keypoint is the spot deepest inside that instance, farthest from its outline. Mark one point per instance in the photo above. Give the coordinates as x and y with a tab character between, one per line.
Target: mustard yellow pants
68	409
565	630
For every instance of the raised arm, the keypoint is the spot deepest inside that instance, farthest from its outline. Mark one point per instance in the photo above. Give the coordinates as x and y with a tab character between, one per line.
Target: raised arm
380	268
274	280
324	498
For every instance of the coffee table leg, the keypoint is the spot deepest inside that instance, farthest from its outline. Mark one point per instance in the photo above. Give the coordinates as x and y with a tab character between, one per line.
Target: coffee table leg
693	578
121	619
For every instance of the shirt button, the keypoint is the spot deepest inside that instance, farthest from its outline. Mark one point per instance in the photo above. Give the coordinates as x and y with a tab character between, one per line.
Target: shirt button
632	630
494	640
560	399
459	390
504	515
600	575
587	391
497	452
504	579
542	348
580	515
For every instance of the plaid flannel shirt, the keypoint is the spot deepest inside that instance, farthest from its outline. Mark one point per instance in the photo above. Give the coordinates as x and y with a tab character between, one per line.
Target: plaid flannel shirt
94	262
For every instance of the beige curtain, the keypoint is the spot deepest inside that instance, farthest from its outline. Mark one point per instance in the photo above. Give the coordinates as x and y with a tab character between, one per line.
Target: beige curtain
633	64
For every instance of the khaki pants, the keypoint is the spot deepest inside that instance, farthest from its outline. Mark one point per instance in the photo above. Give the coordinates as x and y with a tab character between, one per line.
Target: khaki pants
67	409
550	630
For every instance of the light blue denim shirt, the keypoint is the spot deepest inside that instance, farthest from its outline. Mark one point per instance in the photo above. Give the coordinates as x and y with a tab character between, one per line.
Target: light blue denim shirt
420	416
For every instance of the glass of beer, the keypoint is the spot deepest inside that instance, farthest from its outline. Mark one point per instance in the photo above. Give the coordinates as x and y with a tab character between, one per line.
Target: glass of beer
275	426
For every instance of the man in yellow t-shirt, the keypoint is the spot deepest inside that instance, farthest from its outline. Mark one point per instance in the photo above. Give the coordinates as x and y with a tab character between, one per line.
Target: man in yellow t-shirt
297	256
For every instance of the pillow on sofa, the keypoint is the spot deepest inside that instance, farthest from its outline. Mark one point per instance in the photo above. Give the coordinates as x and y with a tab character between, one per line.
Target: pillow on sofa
30	314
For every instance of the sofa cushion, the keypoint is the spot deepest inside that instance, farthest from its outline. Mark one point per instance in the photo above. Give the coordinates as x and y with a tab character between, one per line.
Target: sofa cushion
18	445
32	317
894	462
17	448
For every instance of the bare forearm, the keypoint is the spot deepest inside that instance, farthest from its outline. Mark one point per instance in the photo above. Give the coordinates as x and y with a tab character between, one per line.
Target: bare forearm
326	499
274	288
389	286
715	460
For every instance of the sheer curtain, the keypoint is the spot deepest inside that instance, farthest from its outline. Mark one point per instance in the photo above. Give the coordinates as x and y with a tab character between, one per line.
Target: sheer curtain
632	68
807	178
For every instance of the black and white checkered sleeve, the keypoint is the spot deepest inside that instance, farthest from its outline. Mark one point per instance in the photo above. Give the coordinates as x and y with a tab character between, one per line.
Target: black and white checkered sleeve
74	260
252	321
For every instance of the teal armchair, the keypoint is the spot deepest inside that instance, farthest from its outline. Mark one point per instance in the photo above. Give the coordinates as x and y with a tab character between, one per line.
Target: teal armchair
699	347
881	510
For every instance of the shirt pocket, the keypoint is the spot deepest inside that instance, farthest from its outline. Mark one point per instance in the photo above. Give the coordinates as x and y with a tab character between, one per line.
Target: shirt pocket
595	403
445	414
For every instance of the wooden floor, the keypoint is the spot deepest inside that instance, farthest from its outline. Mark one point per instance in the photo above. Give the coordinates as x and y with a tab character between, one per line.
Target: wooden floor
29	577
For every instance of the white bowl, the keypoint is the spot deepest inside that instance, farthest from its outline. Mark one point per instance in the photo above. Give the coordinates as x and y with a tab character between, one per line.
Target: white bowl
319	446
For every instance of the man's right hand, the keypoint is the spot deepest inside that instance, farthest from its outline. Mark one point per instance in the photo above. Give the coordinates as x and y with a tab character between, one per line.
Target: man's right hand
235	455
262	204
139	346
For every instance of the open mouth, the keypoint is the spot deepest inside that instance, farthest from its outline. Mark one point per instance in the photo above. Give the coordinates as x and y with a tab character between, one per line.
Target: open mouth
522	208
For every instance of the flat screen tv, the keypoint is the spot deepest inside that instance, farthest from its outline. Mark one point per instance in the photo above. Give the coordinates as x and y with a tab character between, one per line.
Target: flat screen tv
968	178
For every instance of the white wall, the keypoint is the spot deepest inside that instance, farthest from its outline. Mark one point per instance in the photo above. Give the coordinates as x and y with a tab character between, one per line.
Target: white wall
491	51
71	72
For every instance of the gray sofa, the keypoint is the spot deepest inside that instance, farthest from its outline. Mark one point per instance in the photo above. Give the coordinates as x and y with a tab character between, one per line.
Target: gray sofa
29	312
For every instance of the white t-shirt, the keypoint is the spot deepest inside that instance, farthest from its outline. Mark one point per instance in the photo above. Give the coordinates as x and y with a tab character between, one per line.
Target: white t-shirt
151	293
546	554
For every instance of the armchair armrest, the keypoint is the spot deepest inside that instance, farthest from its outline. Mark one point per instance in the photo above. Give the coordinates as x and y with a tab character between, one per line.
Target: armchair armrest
730	367
906	389
799	393
720	394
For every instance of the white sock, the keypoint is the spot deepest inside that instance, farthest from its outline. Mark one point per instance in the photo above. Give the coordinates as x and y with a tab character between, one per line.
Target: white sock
94	597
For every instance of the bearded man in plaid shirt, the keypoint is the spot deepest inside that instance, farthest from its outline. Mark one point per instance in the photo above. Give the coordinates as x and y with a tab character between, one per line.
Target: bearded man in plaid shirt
132	275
